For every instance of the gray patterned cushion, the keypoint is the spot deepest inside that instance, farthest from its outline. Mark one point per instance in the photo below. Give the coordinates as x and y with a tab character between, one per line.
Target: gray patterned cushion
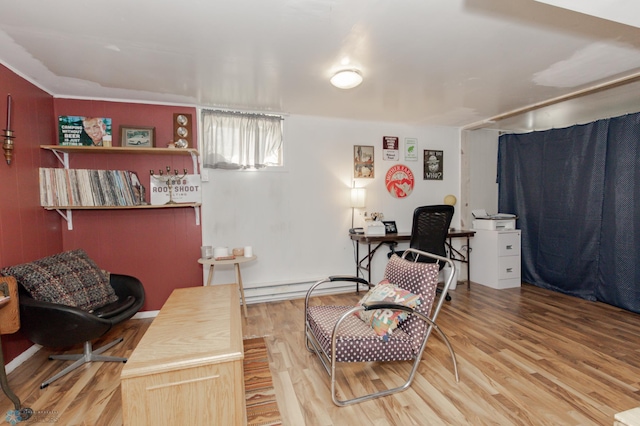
70	278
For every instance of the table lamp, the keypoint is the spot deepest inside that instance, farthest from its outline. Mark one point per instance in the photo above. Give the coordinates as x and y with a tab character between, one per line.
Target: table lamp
357	200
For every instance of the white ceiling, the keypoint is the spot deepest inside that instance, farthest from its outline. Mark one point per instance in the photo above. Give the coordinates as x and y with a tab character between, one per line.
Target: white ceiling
435	62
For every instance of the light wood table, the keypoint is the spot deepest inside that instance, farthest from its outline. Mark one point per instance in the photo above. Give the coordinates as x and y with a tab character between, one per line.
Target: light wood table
187	368
237	261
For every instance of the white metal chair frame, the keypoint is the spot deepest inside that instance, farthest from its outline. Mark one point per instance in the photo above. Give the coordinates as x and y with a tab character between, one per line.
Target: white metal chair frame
329	359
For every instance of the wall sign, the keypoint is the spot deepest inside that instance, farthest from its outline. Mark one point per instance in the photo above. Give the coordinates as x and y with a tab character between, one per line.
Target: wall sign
84	131
183	190
433	164
390	148
399	181
411	149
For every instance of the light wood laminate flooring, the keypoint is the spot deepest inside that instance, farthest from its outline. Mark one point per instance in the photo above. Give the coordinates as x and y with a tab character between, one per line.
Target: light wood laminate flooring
527	356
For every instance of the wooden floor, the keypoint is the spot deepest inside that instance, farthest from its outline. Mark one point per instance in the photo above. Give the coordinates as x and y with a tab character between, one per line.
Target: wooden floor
526	356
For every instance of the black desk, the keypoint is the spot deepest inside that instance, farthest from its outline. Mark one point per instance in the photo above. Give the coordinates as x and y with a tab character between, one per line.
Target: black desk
393	239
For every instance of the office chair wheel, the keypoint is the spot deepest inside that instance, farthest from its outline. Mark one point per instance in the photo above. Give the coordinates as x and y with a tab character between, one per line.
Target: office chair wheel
447	297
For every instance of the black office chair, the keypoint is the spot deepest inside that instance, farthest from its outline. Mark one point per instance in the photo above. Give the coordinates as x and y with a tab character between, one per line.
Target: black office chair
429	232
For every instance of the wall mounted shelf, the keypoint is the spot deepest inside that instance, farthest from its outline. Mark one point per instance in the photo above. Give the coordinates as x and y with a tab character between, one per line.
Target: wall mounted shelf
62	154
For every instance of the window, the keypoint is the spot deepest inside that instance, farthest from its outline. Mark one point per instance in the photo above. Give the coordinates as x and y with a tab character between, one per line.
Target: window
237	140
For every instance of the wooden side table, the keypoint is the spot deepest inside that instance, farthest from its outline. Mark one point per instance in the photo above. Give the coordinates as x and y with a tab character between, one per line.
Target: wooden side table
237	261
9	324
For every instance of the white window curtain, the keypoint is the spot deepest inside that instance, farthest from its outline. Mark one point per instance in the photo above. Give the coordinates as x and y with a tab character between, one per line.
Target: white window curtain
236	140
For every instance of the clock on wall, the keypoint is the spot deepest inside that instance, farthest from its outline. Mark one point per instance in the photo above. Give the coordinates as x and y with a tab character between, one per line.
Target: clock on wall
182	130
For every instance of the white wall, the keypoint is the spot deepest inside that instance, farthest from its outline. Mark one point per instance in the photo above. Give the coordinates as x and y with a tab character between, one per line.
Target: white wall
297	219
482	150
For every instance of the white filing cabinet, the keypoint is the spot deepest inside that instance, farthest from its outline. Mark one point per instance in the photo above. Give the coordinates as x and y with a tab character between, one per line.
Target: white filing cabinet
496	258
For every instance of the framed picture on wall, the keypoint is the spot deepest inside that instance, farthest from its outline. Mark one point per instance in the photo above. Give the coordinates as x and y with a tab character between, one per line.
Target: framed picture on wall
363	162
137	136
433	165
411	149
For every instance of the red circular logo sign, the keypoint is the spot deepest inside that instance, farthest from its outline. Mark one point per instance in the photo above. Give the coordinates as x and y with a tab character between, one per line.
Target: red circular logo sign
399	181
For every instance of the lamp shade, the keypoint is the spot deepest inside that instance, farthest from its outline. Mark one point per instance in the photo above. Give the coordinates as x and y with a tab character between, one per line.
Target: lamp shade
358	197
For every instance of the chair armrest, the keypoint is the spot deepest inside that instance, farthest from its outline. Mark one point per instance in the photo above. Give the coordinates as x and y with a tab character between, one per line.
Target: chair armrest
332	279
125	287
348	278
370	306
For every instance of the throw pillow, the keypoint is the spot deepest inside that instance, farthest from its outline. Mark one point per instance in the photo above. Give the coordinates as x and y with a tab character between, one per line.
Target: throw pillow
384	321
70	278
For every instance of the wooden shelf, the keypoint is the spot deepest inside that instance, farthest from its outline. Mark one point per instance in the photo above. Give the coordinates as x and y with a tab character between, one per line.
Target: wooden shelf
67	211
120	150
62	153
146	206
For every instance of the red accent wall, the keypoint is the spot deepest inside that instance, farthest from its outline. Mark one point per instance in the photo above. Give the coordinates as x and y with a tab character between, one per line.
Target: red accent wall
27	231
160	246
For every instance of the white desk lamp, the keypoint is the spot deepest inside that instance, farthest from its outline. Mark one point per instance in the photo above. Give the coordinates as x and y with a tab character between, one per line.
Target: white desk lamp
358	196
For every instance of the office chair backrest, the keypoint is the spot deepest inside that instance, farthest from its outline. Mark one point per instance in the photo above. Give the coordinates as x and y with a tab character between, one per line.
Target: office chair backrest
430	229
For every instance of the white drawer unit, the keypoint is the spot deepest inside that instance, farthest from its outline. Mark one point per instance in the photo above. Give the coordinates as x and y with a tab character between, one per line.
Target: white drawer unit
496	258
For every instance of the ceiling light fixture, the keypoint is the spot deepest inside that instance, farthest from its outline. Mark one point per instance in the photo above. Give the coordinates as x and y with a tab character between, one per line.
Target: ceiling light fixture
346	79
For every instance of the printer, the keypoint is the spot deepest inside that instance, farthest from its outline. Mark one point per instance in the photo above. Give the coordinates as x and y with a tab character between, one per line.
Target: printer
494	222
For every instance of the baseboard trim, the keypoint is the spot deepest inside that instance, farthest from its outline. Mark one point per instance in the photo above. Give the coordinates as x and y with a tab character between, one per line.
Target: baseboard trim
17	361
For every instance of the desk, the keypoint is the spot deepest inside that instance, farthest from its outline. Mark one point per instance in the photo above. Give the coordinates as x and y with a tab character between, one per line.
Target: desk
393	239
237	261
187	368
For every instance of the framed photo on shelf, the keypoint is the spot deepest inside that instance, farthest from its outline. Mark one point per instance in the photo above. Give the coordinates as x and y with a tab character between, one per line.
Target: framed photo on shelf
137	136
390	227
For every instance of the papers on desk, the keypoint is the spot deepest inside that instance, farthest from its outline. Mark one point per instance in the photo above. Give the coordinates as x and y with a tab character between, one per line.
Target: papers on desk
374	227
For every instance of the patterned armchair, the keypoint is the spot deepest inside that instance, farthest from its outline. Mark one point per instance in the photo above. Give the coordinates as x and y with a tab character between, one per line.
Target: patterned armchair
391	323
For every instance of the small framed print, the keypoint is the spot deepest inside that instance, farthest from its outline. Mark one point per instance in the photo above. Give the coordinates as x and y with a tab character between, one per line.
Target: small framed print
411	149
390	227
433	164
363	162
137	136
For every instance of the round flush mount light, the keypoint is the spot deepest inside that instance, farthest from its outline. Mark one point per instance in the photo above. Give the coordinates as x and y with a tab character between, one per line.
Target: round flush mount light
346	79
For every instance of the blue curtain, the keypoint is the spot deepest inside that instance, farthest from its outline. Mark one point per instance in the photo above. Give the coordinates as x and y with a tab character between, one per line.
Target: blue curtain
576	192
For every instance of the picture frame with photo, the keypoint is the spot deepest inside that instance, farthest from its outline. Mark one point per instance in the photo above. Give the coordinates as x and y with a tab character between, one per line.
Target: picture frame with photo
137	136
390	227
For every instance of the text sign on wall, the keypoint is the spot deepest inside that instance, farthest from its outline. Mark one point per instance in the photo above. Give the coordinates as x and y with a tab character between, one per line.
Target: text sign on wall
390	148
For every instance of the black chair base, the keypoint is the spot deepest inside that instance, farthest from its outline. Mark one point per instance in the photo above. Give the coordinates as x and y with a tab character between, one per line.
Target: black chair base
89	355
